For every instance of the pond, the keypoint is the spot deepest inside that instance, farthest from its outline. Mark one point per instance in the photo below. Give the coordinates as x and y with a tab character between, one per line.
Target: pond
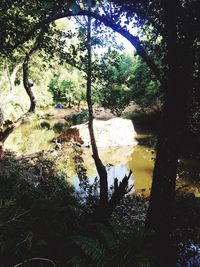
30	137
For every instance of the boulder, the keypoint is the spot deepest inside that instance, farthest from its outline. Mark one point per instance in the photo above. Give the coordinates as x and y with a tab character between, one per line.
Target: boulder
109	133
71	134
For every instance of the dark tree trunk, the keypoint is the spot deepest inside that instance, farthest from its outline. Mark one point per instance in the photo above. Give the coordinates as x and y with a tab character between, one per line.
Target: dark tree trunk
69	102
78	105
173	125
99	165
170	140
7	129
26	82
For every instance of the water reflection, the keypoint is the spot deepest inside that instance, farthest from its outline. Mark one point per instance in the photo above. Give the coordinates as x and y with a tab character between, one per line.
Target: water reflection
30	138
142	163
119	161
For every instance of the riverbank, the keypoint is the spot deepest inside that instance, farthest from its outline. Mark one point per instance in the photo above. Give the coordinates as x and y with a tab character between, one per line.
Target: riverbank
54	210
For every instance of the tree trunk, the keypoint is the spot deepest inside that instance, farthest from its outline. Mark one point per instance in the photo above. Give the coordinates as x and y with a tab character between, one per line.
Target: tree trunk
99	165
78	105
69	103
170	140
173	126
27	84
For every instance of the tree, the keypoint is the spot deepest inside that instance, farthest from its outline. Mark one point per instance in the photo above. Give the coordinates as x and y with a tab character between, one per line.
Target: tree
121	78
26	82
47	46
99	165
145	89
106	205
177	24
112	74
67	83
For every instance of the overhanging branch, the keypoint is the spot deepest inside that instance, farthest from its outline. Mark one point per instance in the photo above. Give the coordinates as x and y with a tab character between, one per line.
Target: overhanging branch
134	40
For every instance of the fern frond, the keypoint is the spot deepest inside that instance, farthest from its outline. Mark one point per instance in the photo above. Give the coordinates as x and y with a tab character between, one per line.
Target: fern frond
107	235
92	249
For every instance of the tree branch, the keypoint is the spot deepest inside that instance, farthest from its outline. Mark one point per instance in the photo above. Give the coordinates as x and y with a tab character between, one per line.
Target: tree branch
14	218
119	192
35	259
26	82
10	128
134	40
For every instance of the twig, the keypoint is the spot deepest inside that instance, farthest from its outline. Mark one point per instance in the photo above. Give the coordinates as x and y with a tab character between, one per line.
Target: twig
15	217
23	241
35	259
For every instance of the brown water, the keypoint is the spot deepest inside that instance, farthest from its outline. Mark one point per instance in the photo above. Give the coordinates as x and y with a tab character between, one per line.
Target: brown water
119	161
30	138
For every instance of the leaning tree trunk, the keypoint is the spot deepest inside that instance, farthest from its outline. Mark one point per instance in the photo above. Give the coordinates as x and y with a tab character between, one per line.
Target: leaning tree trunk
26	82
7	128
99	165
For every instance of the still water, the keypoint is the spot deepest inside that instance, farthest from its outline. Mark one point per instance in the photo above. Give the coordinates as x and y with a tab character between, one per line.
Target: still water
30	138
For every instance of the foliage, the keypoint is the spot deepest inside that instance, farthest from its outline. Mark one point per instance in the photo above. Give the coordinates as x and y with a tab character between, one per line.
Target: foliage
61	89
19	101
78	118
45	205
113	246
170	48
112	76
145	89
68	84
122	78
60	127
145	121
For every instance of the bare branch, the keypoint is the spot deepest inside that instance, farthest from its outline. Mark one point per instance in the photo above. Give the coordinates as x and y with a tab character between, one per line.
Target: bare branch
120	190
15	218
4	135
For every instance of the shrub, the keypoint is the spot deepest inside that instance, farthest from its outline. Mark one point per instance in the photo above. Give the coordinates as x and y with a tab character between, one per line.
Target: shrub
78	118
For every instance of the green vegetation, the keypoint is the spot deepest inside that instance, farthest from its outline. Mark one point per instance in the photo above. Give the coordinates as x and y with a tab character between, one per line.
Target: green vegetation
124	78
68	86
145	121
61	52
78	118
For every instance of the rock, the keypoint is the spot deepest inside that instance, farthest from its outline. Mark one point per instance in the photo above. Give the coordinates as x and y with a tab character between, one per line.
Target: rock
71	134
110	133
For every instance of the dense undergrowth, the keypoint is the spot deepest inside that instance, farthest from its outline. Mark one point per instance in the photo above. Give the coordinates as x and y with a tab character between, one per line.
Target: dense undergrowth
42	216
44	221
